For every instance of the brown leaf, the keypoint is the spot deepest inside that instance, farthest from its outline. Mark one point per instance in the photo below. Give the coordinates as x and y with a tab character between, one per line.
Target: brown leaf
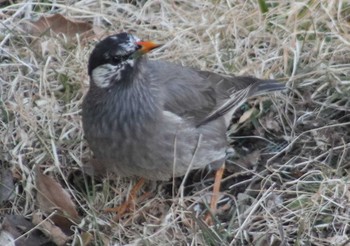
50	230
58	24
16	226
53	25
51	196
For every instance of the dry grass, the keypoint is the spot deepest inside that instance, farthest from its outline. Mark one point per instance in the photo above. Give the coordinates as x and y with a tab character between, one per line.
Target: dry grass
295	191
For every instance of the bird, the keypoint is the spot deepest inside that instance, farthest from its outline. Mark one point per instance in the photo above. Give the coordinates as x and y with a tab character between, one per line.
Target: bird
156	119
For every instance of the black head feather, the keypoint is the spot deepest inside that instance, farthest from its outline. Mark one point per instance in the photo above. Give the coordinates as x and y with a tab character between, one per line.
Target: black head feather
113	50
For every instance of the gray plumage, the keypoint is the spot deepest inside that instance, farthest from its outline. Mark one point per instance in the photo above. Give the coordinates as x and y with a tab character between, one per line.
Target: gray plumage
156	119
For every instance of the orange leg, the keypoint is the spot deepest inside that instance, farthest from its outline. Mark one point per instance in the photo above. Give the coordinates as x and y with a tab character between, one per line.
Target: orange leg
129	203
216	190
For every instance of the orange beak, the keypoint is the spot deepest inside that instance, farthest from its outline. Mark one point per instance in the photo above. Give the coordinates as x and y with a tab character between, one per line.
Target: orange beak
147	46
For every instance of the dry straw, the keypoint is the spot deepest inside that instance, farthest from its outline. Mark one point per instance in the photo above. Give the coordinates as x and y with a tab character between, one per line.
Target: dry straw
295	192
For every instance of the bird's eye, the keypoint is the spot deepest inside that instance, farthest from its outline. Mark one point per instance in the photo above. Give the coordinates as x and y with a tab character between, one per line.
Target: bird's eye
118	59
125	57
115	59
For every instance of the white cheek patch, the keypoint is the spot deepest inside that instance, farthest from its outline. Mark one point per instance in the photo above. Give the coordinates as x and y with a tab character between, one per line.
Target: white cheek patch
103	74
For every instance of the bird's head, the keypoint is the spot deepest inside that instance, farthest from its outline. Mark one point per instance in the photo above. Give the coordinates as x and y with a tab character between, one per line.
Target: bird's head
115	56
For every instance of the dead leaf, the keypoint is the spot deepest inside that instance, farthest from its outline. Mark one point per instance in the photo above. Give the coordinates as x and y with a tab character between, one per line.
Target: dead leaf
7	185
49	229
246	115
55	25
51	196
16	226
58	24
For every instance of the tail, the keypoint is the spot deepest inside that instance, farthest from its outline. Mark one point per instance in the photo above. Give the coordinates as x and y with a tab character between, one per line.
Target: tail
254	87
262	87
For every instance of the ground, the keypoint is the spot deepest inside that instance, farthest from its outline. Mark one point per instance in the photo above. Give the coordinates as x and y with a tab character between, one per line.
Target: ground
287	181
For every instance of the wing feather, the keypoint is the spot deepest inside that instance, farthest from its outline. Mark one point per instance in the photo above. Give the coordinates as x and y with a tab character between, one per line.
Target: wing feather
201	96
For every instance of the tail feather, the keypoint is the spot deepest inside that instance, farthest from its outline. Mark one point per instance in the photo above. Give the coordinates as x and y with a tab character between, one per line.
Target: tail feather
238	97
265	86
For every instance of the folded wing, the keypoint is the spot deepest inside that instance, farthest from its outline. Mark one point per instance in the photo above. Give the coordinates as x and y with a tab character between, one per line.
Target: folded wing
201	96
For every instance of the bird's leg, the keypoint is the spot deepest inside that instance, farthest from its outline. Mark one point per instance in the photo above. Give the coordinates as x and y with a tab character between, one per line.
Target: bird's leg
130	201
135	189
216	190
